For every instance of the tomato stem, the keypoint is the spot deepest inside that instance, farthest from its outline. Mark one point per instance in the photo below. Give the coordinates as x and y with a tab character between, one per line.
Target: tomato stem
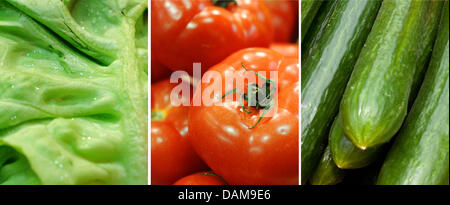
223	3
235	90
258	97
214	174
158	115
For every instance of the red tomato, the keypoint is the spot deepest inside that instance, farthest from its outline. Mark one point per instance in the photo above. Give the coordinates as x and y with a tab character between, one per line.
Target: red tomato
286	49
158	71
284	18
171	153
202	178
188	31
223	135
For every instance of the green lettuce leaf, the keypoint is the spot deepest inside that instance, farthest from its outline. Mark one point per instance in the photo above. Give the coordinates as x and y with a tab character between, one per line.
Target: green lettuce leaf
73	92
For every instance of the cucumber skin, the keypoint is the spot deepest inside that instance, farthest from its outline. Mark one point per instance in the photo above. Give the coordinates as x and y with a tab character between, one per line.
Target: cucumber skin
420	153
345	154
308	12
316	29
427	43
326	72
375	102
348	156
327	173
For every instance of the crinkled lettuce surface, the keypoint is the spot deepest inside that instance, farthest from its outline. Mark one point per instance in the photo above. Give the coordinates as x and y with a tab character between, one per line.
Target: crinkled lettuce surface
73	92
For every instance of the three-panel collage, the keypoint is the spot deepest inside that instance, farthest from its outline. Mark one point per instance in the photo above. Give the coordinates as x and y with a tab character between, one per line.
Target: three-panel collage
224	92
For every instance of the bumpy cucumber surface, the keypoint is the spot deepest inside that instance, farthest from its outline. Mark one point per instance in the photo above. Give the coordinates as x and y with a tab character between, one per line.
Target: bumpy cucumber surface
317	27
308	12
327	173
375	102
420	153
326	72
426	46
348	156
345	154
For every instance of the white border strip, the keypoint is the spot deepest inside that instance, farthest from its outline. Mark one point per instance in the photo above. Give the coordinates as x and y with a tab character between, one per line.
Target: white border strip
149	77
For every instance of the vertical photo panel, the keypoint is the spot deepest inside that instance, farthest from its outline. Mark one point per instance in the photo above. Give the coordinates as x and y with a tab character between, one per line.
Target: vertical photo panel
73	92
374	92
225	92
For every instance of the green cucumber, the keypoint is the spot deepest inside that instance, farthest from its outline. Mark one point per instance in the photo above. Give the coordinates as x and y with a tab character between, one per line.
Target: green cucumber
326	72
316	29
345	154
327	173
420	153
427	43
375	102
308	12
348	156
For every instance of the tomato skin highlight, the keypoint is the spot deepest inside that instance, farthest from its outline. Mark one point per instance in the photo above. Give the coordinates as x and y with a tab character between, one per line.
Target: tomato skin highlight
220	134
172	155
290	50
184	32
202	178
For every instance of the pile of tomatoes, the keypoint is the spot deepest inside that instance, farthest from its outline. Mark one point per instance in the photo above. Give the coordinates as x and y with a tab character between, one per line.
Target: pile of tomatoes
235	142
